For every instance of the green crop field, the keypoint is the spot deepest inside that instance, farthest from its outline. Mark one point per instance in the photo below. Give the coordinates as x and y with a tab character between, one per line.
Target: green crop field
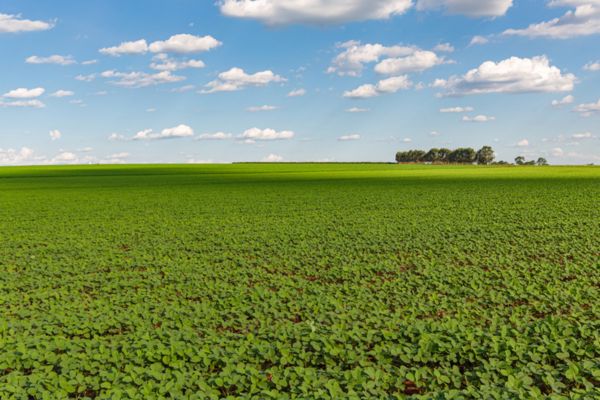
299	281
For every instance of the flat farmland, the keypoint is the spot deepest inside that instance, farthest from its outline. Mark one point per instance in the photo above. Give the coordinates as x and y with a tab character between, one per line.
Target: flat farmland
299	281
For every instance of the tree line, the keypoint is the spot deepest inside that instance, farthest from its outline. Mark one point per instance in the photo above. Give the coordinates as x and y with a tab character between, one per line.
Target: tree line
461	155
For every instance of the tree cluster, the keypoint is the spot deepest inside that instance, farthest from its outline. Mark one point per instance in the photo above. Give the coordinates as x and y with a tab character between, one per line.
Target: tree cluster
462	155
522	161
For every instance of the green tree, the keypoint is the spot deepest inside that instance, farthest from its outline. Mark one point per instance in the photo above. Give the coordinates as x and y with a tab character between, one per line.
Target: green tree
485	155
444	155
520	160
542	161
463	155
432	156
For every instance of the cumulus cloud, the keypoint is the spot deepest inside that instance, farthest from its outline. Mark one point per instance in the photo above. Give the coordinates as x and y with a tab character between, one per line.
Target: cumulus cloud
565	100
140	79
237	79
254	134
456	109
418	61
523	143
557	152
297	93
62	93
185	43
162	62
322	12
113	137
478	40
470	8
587	109
584	20
126	48
215	136
24	93
347	138
261	108
390	85
582	135
592	66
273	158
14	24
55	134
354	56
357	110
182	43
13	156
444	48
513	75
54	59
179	131
35	103
478	118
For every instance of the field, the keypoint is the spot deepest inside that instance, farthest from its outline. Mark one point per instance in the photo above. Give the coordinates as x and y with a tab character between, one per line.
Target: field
299	281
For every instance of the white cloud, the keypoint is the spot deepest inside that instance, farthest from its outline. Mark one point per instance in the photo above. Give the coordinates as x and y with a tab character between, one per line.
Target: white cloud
85	78
237	79
582	135
162	62
351	61
456	109
557	152
584	20
587	109
185	43
592	66
347	138
125	48
215	136
116	137
390	85
434	133
12	156
523	143
183	89
444	48
470	8
478	118
89	62
407	140
179	131
35	103
14	24
357	110
565	100
418	61
62	93
140	79
64	157
119	155
54	59
182	43
273	158
478	40
23	93
266	134
281	12
513	75
55	134
261	108
297	93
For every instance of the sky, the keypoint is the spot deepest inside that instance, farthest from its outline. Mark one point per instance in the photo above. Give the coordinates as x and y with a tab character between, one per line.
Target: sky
198	81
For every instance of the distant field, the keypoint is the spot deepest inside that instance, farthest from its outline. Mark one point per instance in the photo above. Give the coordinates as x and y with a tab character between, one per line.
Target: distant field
299	281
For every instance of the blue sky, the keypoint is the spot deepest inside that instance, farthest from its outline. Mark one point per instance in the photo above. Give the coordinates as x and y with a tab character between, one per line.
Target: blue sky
152	81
